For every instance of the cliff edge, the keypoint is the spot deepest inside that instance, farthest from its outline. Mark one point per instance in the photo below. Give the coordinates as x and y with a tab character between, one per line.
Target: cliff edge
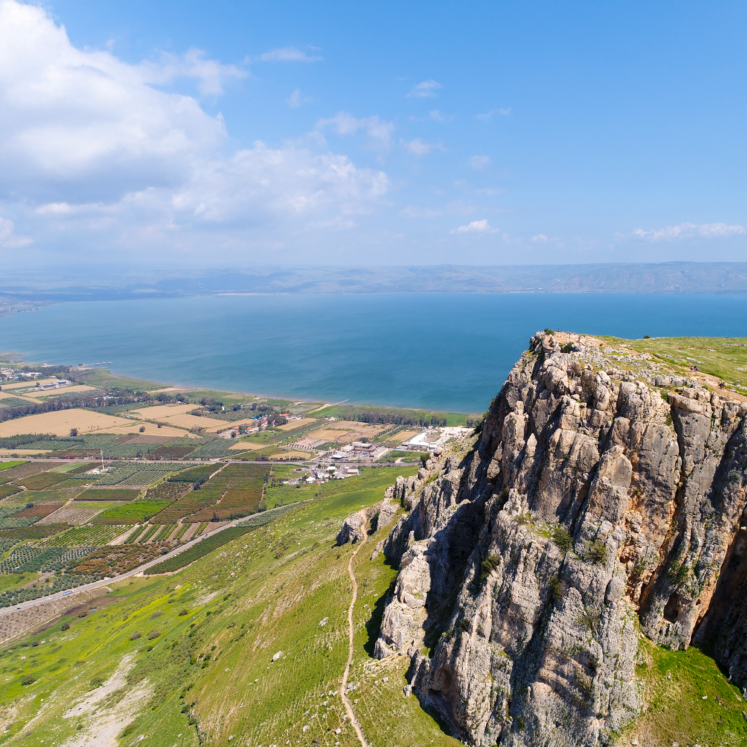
603	499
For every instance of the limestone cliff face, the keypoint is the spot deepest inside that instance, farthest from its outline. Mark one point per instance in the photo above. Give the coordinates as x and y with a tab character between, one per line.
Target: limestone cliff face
601	498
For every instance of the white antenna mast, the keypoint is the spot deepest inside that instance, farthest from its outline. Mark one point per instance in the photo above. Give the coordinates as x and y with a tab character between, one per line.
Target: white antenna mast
102	460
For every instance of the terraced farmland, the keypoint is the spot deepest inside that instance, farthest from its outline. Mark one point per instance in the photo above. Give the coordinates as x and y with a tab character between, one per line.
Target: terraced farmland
100	534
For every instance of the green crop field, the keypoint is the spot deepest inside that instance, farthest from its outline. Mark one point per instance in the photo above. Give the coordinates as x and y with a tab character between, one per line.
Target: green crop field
10	465
6	490
42	481
130	513
110	494
86	535
195	474
32	532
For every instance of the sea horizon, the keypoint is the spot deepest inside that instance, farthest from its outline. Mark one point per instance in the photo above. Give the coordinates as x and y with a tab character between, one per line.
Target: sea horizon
436	351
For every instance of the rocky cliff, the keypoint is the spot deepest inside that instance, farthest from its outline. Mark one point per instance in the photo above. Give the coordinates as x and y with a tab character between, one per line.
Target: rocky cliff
603	499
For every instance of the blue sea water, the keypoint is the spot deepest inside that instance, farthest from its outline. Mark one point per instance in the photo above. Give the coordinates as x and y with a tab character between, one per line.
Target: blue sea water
447	352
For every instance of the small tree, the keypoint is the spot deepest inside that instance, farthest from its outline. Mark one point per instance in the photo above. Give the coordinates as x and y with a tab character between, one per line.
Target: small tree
73	432
142	429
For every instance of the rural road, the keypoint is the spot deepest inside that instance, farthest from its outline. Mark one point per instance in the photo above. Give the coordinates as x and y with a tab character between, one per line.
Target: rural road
351	648
134	572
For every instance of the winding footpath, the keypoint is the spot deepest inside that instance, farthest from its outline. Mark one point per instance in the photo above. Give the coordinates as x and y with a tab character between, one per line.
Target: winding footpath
351	635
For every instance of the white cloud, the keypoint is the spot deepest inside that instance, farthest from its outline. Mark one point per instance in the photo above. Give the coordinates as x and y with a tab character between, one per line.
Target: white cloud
211	74
288	54
492	113
419	148
479	162
690	231
426	89
540	238
92	155
81	125
289	182
476	226
8	239
296	100
377	129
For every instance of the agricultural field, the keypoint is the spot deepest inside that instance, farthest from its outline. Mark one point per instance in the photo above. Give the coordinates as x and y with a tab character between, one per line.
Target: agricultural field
160	412
55	583
195	474
130	513
73	515
86	535
111	561
168	491
290	455
34	532
73	389
143	473
218	540
108	494
21	470
171	452
238	492
10	401
400	437
407	456
29	559
8	490
41	481
214	449
10	465
60	422
295	424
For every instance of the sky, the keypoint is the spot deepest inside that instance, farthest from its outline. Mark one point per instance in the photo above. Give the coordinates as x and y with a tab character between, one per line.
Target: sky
192	134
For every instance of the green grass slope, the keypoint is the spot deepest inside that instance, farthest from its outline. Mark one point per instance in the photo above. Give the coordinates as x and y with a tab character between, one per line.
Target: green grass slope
189	658
723	357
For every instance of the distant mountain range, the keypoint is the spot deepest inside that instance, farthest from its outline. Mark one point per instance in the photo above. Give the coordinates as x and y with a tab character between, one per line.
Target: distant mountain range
671	277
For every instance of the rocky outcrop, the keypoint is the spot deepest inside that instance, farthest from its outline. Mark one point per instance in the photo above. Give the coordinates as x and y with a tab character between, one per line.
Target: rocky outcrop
356	525
594	502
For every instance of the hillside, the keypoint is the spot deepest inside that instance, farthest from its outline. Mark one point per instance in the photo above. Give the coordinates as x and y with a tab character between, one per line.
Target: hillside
76	284
516	590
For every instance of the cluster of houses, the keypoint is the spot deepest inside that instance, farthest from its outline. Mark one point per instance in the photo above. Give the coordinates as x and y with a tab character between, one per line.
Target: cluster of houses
320	475
12	374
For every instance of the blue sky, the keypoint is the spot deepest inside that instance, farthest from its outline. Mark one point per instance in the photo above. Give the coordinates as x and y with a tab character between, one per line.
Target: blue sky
371	133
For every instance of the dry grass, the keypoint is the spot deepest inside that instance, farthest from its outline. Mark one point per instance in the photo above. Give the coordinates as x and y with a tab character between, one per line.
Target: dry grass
228	424
246	446
75	389
26	384
195	421
291	455
62	421
151	429
21	452
297	424
401	437
8	395
328	434
159	412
